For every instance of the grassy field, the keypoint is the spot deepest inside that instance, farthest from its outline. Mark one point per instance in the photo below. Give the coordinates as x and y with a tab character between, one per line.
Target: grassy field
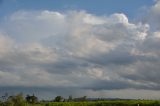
103	103
97	103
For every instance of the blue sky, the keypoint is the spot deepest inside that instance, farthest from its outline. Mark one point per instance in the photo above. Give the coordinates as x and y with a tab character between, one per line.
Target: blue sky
102	7
101	48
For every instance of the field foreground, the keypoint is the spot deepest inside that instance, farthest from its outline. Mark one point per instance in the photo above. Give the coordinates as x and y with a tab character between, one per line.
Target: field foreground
102	103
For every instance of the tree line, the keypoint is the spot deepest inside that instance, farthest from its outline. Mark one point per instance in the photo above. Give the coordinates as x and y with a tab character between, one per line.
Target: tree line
20	100
70	99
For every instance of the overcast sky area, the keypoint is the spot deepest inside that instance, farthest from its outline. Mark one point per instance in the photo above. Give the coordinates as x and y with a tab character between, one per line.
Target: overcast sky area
100	48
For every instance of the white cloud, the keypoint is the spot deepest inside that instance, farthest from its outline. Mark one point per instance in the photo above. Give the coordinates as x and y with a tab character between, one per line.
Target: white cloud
5	44
53	39
79	50
153	16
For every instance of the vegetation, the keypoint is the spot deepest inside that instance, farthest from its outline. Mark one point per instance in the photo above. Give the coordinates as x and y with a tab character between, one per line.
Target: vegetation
31	99
58	99
19	100
108	103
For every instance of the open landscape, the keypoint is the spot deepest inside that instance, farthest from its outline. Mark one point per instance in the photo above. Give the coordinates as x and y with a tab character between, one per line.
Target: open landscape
79	52
93	103
19	100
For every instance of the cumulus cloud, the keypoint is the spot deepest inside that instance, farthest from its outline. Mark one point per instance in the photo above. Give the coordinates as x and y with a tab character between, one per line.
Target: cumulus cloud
79	50
152	16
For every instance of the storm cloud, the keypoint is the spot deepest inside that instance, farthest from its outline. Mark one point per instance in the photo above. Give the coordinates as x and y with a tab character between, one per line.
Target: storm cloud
79	51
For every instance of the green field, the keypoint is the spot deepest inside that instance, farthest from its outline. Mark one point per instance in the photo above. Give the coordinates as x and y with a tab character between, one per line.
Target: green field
97	103
19	100
102	103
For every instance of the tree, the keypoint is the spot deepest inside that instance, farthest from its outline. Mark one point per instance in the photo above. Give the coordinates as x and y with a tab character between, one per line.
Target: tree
28	98
16	100
4	97
31	99
58	99
70	98
34	99
84	98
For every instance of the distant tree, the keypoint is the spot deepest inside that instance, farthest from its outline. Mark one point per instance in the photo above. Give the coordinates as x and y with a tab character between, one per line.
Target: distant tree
34	99
31	99
58	99
70	98
17	100
84	98
28	99
4	97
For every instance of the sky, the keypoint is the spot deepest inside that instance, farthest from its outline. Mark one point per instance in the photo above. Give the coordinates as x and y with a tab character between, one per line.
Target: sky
105	48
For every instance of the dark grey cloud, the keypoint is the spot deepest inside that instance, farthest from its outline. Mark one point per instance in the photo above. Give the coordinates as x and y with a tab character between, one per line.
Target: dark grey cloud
114	85
65	66
115	57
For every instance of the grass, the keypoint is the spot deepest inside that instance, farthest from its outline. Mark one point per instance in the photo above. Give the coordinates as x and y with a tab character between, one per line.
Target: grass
107	103
99	103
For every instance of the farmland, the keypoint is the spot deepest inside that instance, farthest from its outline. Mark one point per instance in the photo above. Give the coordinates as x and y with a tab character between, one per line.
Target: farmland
32	100
96	103
109	103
